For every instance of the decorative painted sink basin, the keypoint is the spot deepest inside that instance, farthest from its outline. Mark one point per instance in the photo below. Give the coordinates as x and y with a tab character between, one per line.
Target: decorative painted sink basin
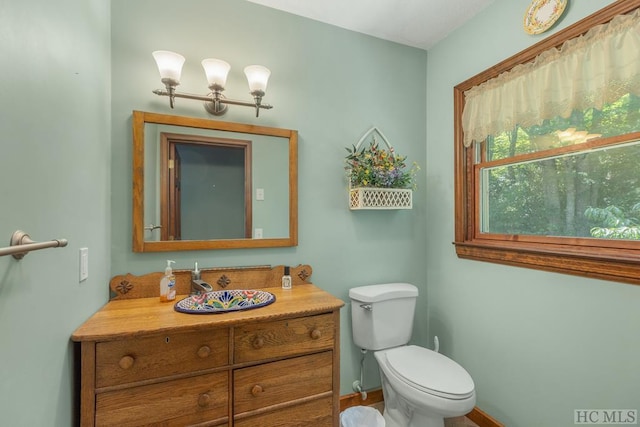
224	301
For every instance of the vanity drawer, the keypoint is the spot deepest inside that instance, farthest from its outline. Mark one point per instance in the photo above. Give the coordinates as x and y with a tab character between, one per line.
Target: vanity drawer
282	381
317	413
126	361
180	402
283	338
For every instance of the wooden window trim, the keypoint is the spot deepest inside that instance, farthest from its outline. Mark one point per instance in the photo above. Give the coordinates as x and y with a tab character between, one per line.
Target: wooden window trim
569	256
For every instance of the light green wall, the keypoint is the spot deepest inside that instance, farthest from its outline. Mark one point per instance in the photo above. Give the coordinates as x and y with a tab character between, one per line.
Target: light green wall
537	344
332	86
54	183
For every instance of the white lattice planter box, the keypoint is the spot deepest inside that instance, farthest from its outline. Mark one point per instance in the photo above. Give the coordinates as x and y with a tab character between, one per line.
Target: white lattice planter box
380	198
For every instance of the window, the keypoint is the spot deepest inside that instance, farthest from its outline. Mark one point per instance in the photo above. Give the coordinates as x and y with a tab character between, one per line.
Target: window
548	174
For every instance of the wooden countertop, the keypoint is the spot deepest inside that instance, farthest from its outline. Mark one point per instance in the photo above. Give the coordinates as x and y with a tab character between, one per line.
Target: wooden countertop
126	318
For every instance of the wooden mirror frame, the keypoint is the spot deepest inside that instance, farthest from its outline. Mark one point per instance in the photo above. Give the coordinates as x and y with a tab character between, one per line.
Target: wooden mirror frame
140	245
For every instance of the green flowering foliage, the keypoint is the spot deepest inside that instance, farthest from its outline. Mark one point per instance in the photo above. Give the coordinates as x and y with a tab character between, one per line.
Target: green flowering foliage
379	168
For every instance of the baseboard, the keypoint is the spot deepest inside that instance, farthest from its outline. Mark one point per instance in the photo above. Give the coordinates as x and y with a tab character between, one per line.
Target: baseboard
483	419
375	396
349	400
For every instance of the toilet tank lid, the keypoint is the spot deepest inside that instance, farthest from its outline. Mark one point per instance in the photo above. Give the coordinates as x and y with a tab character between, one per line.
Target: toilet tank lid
386	291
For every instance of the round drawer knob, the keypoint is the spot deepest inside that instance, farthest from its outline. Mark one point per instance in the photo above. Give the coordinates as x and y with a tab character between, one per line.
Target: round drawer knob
316	334
256	390
126	362
204	400
204	351
258	342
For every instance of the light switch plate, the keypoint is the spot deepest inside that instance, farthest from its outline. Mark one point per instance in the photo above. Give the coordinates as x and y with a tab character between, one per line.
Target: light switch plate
84	264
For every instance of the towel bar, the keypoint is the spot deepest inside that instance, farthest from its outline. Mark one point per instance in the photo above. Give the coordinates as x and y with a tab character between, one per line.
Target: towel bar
21	244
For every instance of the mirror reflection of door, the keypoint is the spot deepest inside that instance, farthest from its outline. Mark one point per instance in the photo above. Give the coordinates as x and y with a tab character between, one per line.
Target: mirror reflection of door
173	223
205	187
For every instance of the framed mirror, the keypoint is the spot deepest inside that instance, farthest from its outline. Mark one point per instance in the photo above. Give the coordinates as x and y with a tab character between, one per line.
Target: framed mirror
205	184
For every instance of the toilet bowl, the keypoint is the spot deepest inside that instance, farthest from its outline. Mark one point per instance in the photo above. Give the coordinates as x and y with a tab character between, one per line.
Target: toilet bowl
420	387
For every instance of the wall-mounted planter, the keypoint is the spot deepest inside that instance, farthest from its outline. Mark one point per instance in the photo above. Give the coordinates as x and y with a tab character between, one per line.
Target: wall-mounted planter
380	198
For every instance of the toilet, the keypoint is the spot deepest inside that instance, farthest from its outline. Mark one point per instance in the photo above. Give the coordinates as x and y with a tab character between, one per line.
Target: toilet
420	387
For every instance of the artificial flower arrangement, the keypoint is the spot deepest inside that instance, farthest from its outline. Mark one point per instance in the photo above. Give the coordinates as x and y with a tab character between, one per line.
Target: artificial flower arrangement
377	167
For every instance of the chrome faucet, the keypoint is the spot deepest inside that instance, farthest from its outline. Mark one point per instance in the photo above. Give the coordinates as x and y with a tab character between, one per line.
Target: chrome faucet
198	286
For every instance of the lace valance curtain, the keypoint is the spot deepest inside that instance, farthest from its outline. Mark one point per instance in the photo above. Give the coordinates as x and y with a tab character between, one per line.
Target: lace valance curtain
587	71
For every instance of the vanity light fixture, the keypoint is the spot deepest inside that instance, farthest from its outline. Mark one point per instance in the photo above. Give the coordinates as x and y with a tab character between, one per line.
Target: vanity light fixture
170	67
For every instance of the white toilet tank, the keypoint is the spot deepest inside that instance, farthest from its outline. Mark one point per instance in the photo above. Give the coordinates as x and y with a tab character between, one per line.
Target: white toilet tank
382	315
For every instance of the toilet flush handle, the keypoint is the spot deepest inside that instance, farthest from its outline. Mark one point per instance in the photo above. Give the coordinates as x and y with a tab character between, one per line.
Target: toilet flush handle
367	307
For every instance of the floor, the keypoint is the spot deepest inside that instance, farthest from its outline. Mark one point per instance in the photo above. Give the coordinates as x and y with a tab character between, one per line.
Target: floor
448	422
459	422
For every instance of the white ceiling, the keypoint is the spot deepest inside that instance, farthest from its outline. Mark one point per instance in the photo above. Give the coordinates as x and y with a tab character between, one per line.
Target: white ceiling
417	23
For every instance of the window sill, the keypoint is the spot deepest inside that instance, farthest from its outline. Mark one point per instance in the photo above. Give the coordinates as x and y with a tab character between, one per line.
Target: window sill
606	264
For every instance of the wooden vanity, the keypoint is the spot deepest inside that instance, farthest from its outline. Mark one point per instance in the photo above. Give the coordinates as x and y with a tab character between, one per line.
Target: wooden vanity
143	363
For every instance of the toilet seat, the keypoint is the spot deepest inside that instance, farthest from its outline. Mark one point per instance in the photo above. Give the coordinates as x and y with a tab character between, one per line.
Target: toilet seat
430	372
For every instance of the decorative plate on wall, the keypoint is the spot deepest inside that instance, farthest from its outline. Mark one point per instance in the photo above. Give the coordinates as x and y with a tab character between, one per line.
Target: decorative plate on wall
542	14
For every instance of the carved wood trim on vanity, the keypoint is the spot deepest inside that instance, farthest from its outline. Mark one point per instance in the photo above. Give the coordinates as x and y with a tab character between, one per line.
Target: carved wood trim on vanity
129	286
144	363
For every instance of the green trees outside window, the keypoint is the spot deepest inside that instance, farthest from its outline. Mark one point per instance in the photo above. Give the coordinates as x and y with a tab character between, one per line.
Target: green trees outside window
555	179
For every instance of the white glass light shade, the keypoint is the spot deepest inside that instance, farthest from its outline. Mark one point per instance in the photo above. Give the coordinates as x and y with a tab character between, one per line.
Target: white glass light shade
216	71
257	76
169	64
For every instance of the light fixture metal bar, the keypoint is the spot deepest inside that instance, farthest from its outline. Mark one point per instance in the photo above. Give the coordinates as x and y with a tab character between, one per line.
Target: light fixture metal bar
209	98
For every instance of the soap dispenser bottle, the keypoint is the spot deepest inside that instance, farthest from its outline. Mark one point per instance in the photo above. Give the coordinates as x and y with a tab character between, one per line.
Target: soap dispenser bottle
168	284
286	279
